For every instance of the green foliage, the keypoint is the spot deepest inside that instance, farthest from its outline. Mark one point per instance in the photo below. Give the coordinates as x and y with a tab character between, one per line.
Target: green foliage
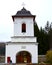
42	38
47	27
43	42
49	56
50	38
36	30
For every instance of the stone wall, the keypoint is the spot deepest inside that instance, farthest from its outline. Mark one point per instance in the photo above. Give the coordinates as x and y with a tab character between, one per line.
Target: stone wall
2	59
41	58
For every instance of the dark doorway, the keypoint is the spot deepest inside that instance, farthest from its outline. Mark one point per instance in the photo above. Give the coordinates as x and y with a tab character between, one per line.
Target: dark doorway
23	27
23	57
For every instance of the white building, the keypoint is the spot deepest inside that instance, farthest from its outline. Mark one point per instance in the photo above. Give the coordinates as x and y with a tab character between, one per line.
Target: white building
23	47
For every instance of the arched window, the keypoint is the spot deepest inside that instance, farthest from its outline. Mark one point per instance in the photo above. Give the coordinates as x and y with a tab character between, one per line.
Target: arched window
23	27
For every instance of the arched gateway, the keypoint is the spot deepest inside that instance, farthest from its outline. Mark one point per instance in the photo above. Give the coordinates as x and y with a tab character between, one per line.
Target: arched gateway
23	57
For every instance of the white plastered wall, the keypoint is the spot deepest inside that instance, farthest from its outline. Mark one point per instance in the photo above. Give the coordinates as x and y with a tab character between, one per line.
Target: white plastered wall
13	49
18	26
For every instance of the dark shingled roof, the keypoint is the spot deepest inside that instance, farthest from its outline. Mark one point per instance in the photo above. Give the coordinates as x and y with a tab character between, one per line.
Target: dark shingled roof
23	12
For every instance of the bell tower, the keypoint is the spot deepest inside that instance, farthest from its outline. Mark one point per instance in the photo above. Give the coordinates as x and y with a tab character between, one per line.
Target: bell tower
23	47
23	23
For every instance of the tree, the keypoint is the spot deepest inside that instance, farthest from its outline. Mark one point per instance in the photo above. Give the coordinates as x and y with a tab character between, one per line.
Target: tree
50	36
43	42
42	38
36	30
47	27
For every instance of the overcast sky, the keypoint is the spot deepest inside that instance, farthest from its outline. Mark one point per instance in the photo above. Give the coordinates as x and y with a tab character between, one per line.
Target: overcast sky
41	8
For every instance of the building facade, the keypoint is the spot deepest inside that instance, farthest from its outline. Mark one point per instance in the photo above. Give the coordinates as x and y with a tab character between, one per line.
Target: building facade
23	47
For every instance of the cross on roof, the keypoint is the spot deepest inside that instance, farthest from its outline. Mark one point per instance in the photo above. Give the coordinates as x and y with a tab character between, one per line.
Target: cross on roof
23	4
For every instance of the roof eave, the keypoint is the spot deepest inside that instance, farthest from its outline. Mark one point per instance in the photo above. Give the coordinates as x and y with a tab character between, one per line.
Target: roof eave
15	16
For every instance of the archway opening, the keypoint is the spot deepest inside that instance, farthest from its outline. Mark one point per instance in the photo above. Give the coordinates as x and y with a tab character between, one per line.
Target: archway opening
23	57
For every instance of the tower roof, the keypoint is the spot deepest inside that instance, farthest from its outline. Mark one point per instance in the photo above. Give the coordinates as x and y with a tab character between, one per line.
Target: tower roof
23	13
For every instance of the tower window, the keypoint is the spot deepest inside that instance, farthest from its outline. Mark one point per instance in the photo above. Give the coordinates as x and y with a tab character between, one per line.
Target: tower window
23	27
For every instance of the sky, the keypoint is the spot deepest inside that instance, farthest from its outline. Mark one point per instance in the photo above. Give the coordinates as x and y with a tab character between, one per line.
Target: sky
41	8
